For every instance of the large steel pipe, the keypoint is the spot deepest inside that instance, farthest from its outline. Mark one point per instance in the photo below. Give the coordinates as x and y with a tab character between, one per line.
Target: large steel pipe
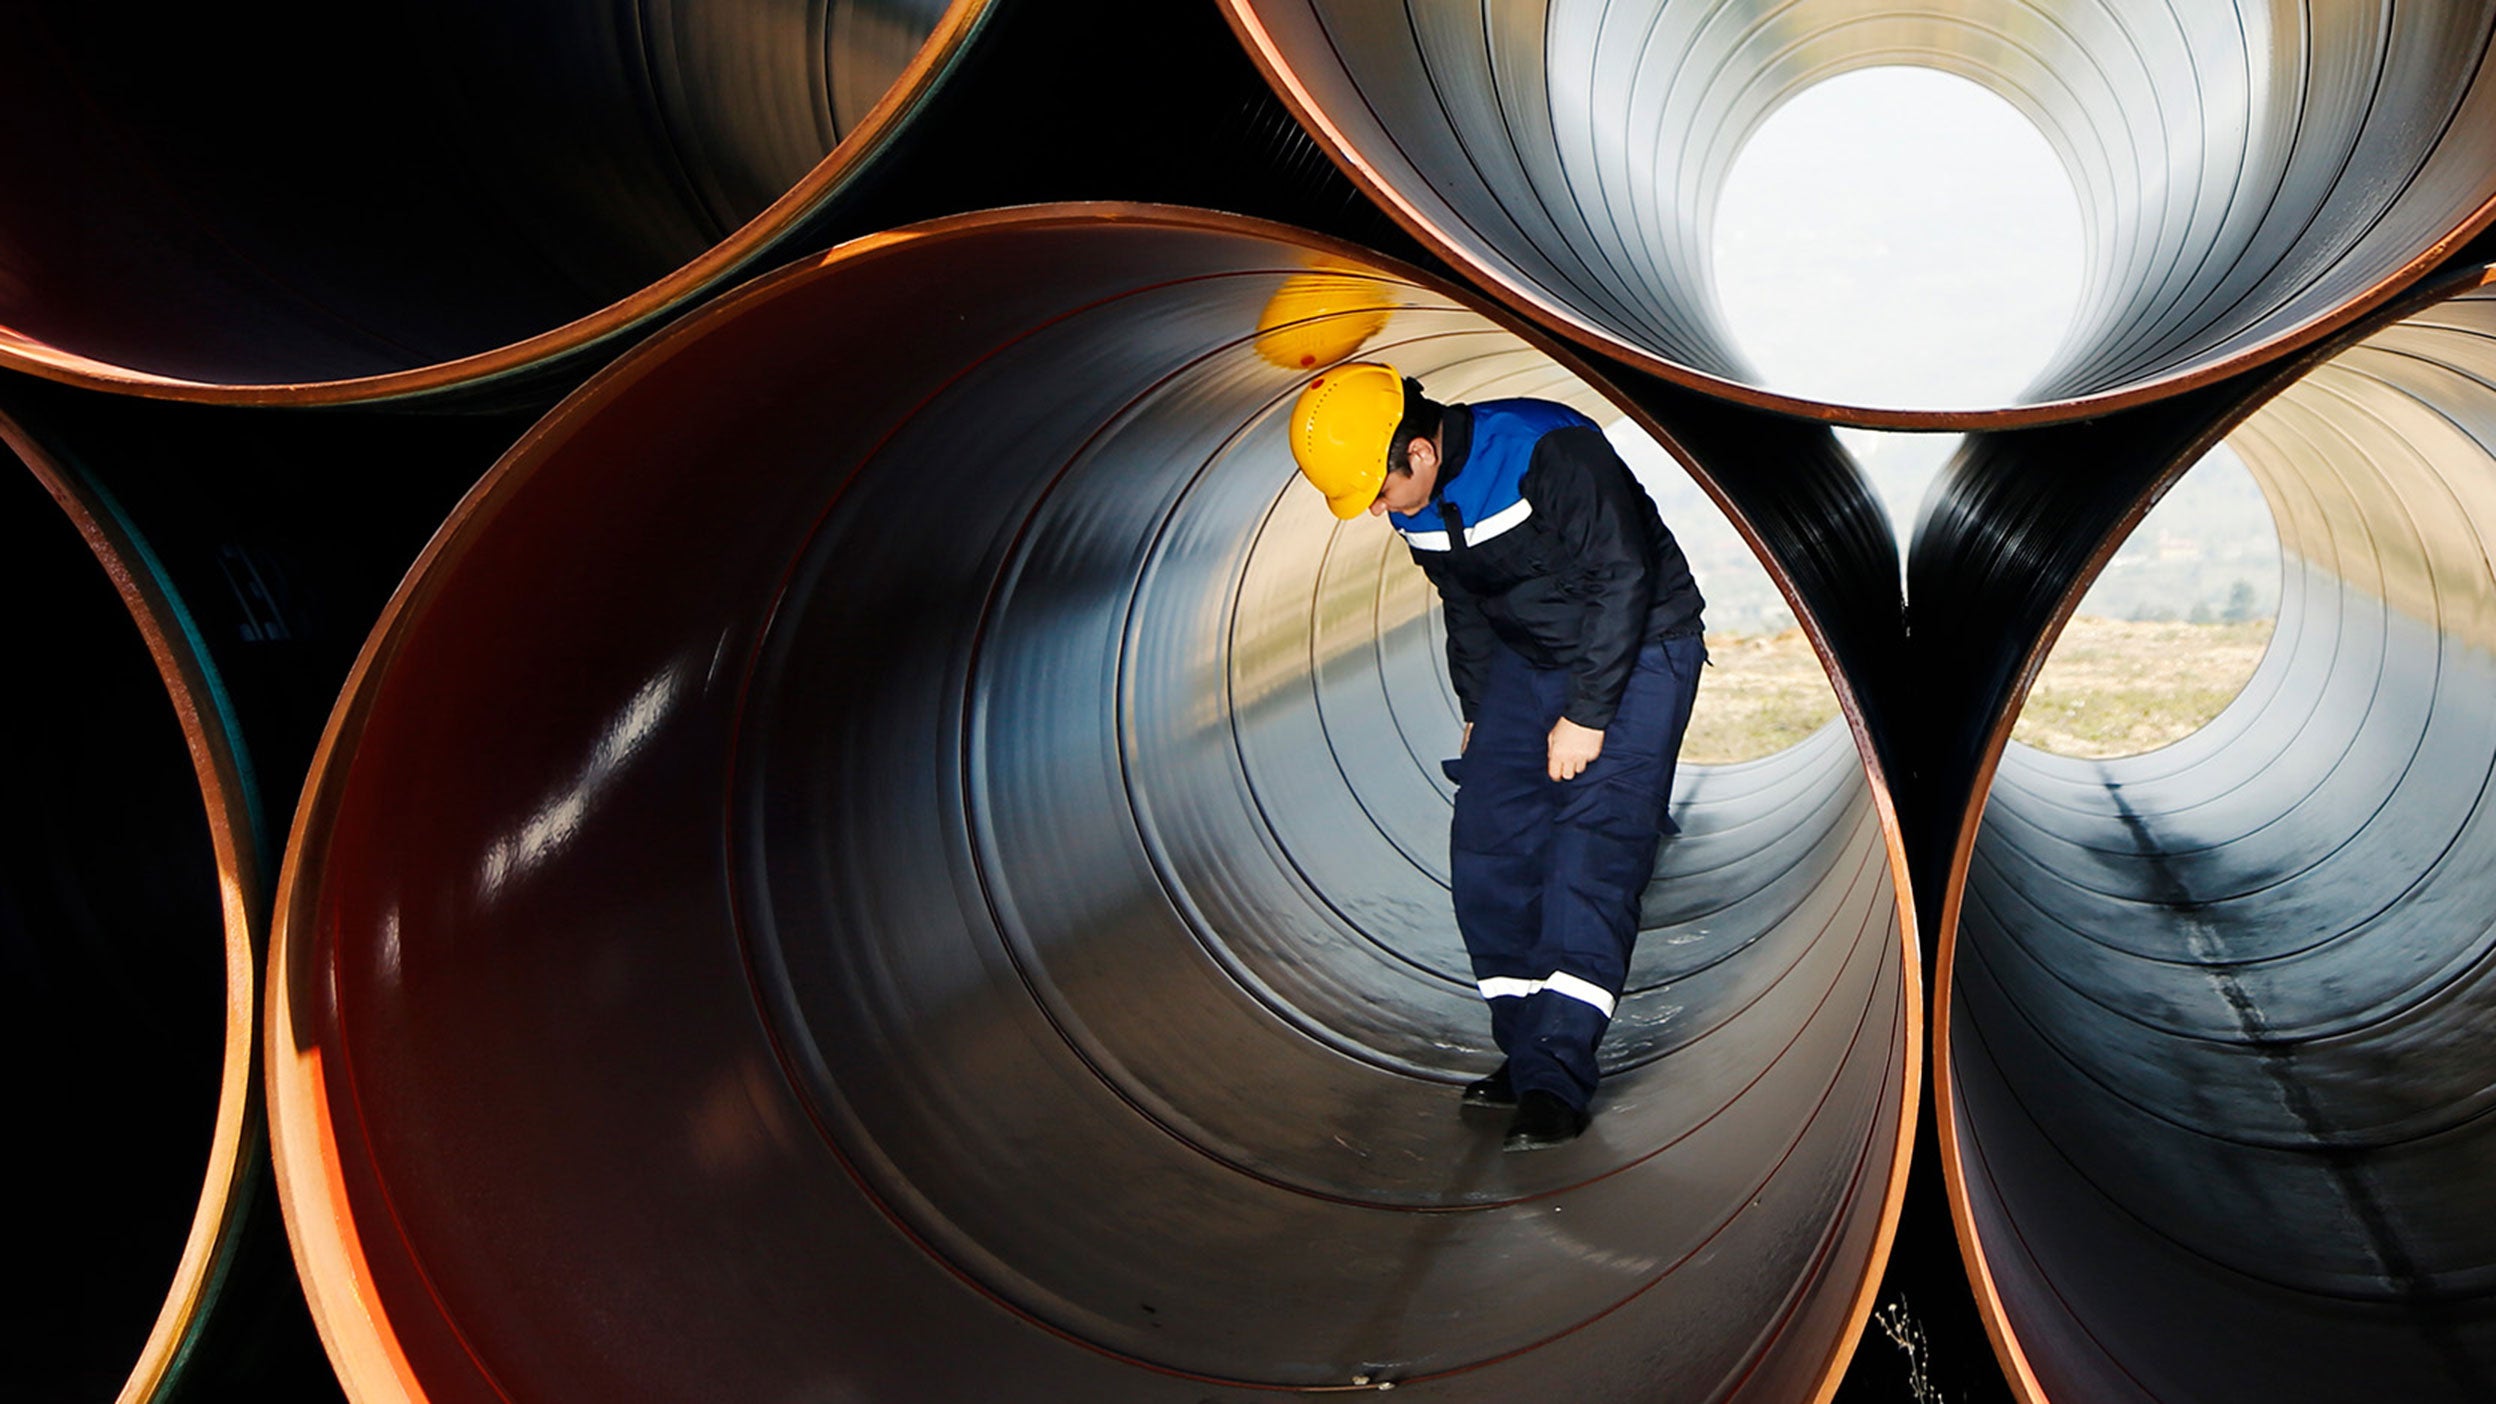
129	908
276	204
269	201
890	851
2250	175
2213	1070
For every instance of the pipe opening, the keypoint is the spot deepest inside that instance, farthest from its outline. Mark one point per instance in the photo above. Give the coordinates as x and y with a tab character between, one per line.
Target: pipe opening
130	974
1896	236
2248	177
2217	1044
2173	628
270	198
1071	989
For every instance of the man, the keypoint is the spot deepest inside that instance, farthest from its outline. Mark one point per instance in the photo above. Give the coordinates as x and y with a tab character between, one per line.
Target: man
1574	641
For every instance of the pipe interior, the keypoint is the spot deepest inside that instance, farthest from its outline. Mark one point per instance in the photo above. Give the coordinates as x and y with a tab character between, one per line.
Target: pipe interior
1071	995
113	930
2247	173
273	195
2219	1010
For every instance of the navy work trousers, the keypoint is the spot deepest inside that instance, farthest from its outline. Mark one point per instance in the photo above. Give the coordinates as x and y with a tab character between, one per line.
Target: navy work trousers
1548	874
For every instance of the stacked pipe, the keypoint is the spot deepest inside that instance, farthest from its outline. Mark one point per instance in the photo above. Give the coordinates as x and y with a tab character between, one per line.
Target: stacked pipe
132	921
2207	1068
885	850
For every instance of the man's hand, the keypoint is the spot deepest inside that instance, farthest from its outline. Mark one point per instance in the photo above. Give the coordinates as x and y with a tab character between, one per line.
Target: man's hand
1466	740
1573	748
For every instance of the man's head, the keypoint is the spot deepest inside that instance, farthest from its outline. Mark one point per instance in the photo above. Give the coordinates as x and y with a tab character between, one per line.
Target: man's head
1368	439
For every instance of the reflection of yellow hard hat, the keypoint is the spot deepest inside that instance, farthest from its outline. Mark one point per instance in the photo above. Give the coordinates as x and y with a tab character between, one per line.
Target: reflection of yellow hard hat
1340	430
1316	319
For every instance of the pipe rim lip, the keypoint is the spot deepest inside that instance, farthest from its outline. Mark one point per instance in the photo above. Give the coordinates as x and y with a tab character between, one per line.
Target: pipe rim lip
326	1241
225	788
858	149
2008	1351
1527	300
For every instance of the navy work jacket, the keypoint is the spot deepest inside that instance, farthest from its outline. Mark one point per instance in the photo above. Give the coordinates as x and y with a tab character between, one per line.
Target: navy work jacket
1538	538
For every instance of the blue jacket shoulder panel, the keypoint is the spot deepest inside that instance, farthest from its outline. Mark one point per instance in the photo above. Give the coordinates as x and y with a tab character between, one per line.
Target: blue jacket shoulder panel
1489	481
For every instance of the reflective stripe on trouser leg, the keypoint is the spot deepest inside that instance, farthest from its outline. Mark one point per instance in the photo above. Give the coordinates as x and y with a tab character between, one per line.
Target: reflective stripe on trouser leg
1599	854
1561	982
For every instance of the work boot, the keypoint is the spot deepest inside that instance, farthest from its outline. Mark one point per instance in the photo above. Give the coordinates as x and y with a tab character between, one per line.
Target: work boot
1492	1091
1543	1121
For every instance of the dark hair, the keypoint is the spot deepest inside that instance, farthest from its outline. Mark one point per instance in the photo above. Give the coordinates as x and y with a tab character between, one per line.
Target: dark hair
1421	421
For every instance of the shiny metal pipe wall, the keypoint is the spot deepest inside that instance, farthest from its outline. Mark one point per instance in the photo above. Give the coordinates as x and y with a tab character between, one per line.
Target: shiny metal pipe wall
271	203
2250	176
889	849
131	908
2214	1073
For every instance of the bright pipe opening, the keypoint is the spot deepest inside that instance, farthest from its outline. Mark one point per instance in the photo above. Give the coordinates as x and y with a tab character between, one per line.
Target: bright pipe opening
1898	236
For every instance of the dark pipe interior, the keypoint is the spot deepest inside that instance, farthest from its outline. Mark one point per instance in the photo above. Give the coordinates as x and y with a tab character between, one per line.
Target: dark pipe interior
2248	174
2217	1012
114	935
890	873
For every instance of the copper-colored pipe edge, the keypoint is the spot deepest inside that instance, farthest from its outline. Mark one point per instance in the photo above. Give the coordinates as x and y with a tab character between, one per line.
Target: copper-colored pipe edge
856	147
329	1256
208	732
1261	47
2006	1346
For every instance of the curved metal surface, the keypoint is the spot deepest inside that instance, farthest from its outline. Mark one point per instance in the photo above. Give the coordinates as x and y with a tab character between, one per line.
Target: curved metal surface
2250	176
278	204
2213	1070
886	874
131	911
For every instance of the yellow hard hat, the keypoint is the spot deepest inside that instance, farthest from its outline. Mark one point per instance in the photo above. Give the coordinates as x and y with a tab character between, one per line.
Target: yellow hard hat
1320	317
1340	430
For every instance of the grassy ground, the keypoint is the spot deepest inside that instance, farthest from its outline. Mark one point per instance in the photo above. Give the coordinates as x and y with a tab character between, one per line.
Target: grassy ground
2111	688
2115	687
1763	693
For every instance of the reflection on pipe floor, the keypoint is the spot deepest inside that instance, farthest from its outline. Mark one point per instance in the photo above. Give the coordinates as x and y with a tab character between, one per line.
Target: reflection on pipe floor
2220	1010
2249	175
1070	998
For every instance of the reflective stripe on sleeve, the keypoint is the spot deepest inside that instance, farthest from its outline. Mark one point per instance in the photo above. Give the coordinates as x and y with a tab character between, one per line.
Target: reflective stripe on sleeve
1500	521
1509	987
1495	524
